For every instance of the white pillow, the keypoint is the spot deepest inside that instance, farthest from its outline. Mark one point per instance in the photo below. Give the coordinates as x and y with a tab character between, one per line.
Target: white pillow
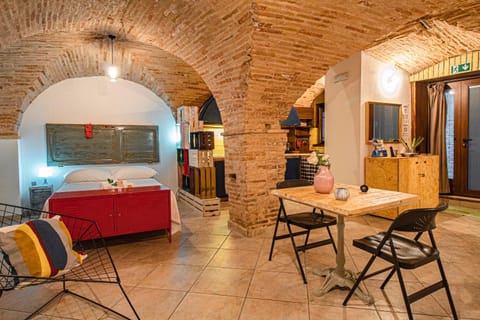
87	175
133	172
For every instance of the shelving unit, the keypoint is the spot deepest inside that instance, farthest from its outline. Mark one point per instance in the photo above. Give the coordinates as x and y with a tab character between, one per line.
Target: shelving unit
196	169
298	139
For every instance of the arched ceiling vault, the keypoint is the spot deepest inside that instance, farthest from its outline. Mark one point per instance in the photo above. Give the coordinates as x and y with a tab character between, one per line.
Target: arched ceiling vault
83	54
411	34
429	40
256	56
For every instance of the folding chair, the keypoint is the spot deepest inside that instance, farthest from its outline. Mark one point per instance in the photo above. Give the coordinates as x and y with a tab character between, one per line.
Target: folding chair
405	253
305	220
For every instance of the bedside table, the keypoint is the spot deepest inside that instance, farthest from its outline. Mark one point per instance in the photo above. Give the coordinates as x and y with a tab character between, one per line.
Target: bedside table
38	196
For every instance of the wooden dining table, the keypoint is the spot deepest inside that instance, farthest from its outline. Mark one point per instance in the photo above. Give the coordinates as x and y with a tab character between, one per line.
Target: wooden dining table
359	203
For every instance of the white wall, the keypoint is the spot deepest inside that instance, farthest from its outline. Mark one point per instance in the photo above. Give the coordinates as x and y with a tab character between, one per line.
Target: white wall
373	90
342	124
93	100
9	177
345	112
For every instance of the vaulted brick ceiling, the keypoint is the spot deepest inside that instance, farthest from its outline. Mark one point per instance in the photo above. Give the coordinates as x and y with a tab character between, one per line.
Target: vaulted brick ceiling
256	56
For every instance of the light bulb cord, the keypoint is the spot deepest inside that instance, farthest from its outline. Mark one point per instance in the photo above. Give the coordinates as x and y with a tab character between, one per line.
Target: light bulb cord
112	38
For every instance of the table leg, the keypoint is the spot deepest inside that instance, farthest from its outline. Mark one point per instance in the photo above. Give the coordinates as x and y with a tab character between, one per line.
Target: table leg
339	276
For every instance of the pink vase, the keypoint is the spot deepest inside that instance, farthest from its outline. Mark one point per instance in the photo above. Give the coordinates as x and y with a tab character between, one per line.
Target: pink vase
323	180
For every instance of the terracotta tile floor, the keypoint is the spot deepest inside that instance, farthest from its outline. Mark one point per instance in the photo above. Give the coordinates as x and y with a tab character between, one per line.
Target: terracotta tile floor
207	272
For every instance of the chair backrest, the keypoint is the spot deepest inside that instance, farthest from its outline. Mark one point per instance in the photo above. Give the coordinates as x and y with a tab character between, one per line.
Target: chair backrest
290	183
417	220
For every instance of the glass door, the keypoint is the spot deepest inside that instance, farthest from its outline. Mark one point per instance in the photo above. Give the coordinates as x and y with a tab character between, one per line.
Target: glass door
471	141
463	109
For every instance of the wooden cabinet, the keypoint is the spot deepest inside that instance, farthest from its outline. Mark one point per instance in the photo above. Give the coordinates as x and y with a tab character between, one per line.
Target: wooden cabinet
417	175
117	211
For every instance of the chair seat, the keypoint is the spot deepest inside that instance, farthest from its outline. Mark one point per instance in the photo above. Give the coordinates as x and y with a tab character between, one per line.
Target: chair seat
410	253
310	220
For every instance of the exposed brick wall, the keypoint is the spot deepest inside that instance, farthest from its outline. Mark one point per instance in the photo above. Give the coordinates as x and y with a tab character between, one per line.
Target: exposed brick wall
257	57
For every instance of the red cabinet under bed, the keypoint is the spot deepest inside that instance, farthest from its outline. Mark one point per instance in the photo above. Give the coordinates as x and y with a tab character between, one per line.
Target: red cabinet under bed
118	211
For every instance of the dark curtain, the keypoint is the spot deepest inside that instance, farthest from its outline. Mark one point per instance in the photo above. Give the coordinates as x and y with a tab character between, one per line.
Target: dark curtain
438	118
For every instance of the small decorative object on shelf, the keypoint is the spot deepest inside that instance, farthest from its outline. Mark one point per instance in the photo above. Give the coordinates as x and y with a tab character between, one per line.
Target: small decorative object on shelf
323	180
342	194
112	182
410	149
379	150
364	188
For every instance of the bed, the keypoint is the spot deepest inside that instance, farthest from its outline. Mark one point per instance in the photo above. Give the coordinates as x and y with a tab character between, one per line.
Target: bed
122	200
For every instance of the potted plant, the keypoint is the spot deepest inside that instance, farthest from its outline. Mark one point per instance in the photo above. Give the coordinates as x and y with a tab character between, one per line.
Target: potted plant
410	148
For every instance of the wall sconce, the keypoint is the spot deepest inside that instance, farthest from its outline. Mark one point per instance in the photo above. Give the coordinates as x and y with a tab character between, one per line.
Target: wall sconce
389	79
112	70
45	172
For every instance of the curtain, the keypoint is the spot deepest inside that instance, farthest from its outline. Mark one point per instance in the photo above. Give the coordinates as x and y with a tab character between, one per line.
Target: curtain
438	116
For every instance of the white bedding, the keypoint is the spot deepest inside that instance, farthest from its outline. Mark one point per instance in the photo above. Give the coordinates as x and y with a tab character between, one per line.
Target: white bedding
86	186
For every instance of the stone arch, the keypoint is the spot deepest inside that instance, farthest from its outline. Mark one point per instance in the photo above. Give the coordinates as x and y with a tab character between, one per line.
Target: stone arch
165	75
219	51
311	93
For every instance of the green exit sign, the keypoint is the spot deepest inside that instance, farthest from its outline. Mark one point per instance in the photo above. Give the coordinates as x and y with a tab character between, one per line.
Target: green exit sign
460	68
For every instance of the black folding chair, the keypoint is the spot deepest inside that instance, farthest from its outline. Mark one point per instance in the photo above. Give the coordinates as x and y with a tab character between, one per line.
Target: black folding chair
405	253
305	220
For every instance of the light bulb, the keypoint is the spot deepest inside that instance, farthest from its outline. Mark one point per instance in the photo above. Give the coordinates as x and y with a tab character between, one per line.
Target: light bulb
112	72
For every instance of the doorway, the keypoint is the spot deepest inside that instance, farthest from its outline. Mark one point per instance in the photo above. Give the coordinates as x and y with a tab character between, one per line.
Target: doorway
463	136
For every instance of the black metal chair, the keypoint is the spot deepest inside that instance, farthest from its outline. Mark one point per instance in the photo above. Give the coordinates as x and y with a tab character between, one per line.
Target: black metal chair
97	268
405	253
305	220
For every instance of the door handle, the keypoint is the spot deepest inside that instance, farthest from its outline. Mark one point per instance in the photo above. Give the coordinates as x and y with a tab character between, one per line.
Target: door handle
465	142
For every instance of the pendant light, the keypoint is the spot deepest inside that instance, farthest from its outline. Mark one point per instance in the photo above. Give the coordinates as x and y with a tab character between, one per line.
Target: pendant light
112	70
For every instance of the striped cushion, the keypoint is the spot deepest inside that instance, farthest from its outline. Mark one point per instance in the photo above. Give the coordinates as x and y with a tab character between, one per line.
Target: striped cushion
39	248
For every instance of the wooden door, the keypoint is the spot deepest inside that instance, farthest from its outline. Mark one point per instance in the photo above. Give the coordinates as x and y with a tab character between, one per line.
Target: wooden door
428	175
419	175
410	174
466	150
383	173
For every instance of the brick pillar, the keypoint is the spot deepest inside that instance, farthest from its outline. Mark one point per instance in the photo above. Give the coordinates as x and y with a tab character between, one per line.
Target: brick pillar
254	163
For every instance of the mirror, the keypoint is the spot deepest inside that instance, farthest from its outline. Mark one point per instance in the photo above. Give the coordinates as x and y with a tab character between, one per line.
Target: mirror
383	121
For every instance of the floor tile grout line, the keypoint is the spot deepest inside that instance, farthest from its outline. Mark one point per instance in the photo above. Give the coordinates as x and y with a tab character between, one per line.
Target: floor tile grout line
196	280
251	280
